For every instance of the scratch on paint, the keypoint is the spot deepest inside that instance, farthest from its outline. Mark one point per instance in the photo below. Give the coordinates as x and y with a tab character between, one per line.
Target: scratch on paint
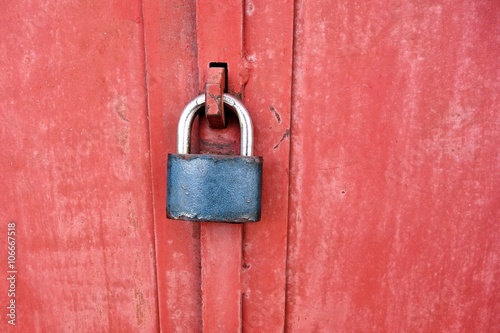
285	135
340	166
276	114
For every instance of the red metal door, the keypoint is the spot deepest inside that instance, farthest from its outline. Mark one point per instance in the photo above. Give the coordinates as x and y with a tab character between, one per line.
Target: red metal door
394	198
379	127
393	169
75	169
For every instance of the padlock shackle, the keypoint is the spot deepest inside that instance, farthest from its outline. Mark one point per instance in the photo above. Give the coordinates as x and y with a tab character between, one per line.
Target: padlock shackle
191	110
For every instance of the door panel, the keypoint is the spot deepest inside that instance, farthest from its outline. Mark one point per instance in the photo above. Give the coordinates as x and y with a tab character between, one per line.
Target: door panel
75	170
170	41
395	168
268	43
378	125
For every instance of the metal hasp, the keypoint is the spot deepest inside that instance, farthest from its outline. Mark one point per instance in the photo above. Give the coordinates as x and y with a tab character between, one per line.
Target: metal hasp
219	188
214	97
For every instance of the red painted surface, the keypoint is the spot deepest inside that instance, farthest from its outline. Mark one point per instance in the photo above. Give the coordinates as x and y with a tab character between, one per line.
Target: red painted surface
219	31
268	44
170	41
172	50
261	276
219	27
392	177
75	168
395	202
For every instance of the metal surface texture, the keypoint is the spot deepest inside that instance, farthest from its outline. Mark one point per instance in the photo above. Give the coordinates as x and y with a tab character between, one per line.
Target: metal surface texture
395	173
170	44
75	168
380	200
191	110
218	188
214	101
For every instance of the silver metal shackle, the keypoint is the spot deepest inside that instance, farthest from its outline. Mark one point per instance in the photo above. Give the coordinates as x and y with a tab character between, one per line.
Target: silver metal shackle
191	110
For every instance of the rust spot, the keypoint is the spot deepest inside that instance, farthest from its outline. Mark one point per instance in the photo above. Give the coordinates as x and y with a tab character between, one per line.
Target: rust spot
122	138
223	148
132	219
140	303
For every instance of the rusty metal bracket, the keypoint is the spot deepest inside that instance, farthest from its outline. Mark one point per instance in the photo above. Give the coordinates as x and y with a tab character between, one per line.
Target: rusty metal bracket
214	100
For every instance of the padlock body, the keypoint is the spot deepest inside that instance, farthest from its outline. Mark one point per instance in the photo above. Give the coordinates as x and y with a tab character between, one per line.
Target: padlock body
222	188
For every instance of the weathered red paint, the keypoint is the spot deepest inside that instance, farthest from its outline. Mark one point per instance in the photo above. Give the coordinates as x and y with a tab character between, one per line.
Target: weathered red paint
263	272
268	37
395	169
170	41
219	31
267	96
219	27
394	175
75	171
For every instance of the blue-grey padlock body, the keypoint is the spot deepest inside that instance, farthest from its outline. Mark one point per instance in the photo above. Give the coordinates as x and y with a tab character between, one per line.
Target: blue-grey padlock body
225	188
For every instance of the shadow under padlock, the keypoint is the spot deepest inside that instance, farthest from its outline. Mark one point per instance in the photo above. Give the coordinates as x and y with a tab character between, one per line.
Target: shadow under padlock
215	186
219	141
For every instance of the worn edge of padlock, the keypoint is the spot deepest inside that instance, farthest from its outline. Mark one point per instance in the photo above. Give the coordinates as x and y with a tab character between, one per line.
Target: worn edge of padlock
192	219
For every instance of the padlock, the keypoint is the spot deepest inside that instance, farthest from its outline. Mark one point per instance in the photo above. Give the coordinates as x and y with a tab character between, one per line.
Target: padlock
219	188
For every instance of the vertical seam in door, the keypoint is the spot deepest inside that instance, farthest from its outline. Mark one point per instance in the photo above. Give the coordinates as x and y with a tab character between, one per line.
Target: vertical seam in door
290	161
153	210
